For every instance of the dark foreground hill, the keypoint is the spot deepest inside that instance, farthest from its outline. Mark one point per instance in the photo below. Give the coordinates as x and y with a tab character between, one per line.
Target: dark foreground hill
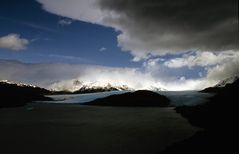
218	117
14	95
141	98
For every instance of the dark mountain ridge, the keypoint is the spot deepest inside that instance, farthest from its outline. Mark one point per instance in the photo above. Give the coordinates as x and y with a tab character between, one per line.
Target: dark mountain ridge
220	85
15	95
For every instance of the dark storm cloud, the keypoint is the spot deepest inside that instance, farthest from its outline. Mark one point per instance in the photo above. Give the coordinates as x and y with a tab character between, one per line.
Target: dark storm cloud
156	27
196	14
167	25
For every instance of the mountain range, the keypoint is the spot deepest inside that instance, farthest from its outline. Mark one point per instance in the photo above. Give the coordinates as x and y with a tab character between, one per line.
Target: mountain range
77	86
18	94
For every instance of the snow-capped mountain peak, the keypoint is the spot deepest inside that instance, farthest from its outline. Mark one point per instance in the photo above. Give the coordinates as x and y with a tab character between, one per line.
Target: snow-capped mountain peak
78	85
17	83
226	81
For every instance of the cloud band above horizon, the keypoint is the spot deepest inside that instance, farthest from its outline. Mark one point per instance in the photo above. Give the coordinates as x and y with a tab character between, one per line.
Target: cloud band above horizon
62	76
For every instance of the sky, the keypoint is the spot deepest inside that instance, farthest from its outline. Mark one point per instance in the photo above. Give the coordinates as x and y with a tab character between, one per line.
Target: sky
175	45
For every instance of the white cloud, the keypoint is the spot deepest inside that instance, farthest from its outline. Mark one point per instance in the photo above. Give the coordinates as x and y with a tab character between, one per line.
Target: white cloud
131	77
224	70
155	27
152	65
202	59
38	27
103	49
13	42
190	84
218	66
70	58
84	10
182	78
65	22
62	76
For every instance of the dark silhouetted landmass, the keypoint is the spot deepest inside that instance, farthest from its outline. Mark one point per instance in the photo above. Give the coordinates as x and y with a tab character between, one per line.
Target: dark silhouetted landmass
220	86
212	90
218	117
141	98
14	95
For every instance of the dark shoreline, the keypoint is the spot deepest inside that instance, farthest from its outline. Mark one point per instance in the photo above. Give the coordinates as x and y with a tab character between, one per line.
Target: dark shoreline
217	117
